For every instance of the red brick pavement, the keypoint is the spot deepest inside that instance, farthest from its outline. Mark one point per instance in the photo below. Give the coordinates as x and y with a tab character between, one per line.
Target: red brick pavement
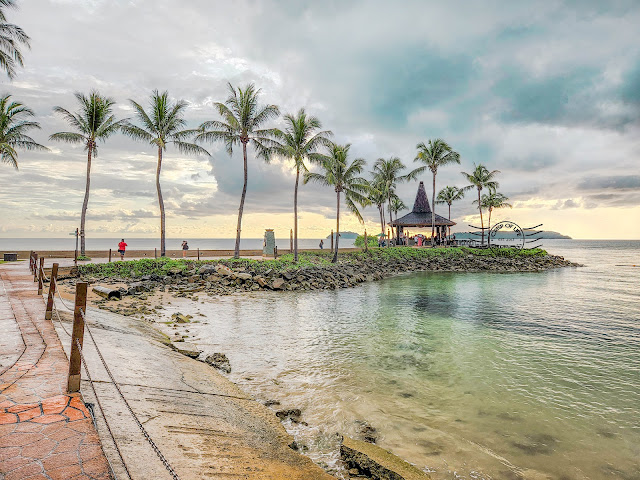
45	433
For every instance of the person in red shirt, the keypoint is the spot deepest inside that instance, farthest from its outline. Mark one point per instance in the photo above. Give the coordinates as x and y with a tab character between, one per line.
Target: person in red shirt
121	248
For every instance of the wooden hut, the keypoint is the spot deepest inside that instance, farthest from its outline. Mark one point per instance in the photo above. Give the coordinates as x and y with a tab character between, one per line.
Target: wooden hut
420	216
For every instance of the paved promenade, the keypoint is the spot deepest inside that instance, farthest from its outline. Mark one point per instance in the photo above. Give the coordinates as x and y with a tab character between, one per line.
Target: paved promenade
44	432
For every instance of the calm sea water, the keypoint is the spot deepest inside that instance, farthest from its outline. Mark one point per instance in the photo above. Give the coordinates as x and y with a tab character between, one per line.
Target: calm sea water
469	375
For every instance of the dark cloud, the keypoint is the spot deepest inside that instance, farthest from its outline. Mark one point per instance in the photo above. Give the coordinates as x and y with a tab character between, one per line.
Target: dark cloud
618	182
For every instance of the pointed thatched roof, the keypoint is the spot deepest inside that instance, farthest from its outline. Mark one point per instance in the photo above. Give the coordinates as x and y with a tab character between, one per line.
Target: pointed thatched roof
420	216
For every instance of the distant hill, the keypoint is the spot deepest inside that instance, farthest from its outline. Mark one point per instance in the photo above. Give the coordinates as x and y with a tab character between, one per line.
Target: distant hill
349	235
545	234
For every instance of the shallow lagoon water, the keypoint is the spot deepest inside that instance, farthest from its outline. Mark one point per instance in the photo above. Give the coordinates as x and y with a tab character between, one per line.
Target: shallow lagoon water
472	375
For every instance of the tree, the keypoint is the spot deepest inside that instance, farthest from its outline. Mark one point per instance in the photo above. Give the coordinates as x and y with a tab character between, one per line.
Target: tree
493	200
300	141
162	126
449	195
481	178
435	154
377	196
11	38
344	177
242	118
93	122
396	205
15	122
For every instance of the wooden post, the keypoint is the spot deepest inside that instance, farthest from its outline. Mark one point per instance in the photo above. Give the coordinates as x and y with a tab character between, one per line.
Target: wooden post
75	360
155	253
35	267
291	241
109	255
41	276
275	252
388	238
52	291
198	253
331	241
366	242
31	261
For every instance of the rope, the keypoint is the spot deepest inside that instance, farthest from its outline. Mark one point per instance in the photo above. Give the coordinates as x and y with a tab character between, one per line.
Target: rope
95	394
155	448
57	290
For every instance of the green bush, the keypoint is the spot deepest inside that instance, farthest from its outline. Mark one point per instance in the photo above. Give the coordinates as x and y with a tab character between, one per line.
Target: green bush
371	241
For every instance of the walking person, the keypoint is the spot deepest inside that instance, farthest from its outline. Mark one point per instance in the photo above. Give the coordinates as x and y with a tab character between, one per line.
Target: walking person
321	244
122	246
185	247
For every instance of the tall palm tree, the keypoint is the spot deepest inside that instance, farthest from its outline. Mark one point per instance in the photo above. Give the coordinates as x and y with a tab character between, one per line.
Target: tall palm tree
436	153
449	195
93	122
388	173
14	124
344	177
493	200
481	178
161	126
11	38
396	205
242	118
377	196
300	141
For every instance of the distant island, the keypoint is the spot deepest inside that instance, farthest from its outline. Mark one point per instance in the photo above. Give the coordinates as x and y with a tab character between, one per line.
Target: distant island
343	235
545	234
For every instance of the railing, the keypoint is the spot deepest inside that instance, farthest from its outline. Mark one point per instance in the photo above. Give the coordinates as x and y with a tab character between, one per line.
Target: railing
77	360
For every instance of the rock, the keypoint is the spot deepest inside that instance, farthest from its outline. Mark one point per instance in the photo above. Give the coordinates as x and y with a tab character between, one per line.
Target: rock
244	276
219	361
180	318
188	349
193	279
260	281
293	414
278	284
207	270
224	270
270	403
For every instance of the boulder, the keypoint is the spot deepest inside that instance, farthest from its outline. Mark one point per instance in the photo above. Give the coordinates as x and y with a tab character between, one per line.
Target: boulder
188	349
244	276
261	281
219	361
278	284
293	414
224	270
180	318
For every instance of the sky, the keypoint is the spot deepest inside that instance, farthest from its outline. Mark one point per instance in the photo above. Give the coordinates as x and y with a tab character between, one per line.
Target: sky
548	93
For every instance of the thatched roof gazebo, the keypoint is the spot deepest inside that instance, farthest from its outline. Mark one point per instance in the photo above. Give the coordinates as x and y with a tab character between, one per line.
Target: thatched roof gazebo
420	216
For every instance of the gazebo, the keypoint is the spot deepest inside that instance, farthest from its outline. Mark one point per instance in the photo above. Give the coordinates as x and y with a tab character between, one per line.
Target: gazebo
420	216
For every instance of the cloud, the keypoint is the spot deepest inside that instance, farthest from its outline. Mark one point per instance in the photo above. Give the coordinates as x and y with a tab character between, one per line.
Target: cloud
618	182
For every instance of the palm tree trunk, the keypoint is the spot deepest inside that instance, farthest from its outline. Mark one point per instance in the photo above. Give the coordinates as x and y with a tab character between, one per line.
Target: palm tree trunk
433	211
489	226
85	203
391	226
295	217
335	253
236	253
381	211
449	219
481	221
161	204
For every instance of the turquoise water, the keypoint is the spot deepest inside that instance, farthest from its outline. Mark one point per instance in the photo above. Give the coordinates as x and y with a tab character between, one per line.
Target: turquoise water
465	375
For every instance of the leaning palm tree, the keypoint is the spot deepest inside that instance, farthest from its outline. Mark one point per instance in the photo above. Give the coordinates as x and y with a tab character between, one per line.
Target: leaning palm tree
481	178
162	125
11	38
449	195
493	200
344	177
300	141
436	153
242	118
15	122
92	123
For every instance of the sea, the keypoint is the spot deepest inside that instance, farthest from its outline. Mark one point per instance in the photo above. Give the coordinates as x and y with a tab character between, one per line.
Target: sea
465	375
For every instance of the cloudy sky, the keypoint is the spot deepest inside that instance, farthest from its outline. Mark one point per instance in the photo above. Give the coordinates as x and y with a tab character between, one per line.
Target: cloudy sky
546	92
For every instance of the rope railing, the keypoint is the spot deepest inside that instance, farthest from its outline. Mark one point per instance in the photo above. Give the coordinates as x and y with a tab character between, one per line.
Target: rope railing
79	326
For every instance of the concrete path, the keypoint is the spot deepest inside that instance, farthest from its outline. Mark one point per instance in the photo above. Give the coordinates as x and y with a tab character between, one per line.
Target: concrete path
44	433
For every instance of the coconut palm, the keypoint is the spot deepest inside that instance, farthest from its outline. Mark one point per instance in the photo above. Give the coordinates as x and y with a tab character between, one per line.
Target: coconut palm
449	195
493	200
93	122
344	177
388	172
11	38
163	125
377	196
396	205
300	141
436	153
242	119
15	122
481	178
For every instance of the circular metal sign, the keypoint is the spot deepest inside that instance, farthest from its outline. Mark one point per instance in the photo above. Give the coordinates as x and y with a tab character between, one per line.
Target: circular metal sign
506	235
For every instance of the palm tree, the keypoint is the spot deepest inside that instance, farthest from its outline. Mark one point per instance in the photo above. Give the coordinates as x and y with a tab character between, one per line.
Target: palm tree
163	125
493	200
436	153
300	141
387	172
449	195
11	38
377	196
242	118
343	177
14	124
396	205
481	178
92	123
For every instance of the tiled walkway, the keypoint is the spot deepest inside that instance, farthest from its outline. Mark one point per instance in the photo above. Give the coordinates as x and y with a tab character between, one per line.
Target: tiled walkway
44	432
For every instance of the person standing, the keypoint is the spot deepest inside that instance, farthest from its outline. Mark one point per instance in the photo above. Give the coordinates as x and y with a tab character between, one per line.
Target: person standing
185	247
122	246
321	244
